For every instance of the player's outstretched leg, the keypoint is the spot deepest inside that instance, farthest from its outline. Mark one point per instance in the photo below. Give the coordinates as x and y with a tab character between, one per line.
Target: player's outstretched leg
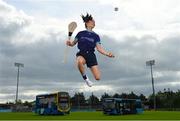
96	72
80	64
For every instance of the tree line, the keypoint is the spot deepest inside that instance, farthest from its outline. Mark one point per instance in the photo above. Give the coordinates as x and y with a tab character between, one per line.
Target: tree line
166	99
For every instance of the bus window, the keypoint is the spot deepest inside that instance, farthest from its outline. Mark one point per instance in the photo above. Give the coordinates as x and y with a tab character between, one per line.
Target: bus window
138	105
118	106
109	104
63	101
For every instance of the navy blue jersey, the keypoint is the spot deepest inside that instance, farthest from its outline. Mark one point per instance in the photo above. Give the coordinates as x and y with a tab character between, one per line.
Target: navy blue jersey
87	40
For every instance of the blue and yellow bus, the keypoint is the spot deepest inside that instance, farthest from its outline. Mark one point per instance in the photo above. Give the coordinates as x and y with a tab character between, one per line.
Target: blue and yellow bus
53	104
114	106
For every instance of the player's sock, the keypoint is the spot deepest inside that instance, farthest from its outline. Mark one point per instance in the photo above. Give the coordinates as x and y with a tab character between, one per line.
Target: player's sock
84	76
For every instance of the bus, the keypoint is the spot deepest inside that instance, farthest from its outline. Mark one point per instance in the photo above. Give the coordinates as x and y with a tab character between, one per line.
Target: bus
55	103
115	106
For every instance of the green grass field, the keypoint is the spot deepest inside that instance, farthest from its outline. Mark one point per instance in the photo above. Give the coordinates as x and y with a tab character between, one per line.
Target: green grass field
147	115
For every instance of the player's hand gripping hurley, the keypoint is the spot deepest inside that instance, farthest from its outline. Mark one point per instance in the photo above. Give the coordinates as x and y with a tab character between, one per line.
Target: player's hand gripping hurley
71	27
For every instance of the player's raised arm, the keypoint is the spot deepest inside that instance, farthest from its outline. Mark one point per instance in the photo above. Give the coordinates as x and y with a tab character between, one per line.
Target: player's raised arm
103	51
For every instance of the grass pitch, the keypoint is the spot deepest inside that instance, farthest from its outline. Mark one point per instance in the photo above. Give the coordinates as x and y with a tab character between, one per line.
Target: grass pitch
147	115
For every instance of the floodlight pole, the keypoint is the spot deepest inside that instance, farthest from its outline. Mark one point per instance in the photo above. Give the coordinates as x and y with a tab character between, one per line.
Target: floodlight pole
151	63
18	65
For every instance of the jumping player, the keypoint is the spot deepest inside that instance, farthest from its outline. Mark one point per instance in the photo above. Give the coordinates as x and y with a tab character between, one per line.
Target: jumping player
87	41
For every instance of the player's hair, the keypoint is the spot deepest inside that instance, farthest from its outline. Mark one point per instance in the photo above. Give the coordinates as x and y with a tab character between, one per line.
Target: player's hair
86	18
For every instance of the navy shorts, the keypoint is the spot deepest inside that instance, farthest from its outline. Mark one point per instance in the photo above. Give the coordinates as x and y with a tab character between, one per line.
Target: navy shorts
90	58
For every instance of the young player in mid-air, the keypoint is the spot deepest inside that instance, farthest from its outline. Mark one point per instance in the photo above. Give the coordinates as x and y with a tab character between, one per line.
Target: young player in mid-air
87	41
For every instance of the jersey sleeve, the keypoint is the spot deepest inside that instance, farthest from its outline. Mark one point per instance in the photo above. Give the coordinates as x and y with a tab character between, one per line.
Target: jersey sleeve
77	37
98	41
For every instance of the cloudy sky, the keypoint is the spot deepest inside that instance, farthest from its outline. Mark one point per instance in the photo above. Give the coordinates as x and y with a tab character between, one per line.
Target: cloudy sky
33	32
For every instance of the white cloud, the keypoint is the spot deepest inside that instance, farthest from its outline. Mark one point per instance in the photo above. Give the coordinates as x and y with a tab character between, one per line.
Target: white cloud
27	29
139	17
96	88
32	93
